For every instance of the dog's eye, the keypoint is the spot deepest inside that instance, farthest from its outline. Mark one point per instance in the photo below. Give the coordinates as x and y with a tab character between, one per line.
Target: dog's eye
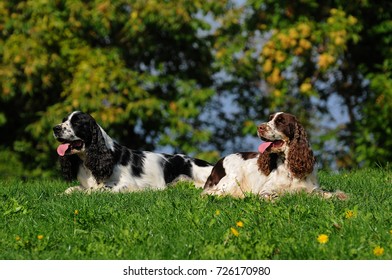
280	120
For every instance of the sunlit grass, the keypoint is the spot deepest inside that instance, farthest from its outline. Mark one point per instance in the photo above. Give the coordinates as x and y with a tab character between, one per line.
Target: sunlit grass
39	222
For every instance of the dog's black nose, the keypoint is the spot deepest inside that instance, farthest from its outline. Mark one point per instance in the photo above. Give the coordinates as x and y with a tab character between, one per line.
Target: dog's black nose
57	129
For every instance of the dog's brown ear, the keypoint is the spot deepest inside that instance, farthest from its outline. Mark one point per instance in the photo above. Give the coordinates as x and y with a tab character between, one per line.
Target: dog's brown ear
267	162
300	157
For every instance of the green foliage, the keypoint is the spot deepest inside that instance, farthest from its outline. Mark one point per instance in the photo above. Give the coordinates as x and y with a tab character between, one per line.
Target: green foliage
298	56
373	143
39	222
10	164
155	73
140	67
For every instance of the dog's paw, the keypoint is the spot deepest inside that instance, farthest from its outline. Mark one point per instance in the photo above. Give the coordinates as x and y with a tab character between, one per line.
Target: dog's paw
269	196
337	194
340	195
73	189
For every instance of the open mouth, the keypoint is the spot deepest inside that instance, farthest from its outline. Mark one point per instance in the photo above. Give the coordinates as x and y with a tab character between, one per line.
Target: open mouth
267	144
67	148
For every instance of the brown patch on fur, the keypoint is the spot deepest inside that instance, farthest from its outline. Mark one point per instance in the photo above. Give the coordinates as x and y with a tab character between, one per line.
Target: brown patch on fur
217	173
248	155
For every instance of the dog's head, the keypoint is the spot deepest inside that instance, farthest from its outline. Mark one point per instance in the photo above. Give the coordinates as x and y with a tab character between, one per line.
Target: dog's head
277	132
83	139
74	133
283	134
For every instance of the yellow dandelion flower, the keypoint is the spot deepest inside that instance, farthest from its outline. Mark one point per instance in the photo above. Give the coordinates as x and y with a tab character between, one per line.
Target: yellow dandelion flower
349	214
378	251
217	213
76	212
40	237
322	238
234	232
17	238
240	224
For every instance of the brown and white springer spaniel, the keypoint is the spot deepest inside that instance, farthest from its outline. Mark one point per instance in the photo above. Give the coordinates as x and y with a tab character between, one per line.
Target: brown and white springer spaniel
284	163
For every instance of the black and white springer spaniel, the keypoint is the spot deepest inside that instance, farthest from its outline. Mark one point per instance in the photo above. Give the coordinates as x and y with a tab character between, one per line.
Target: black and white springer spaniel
284	163
98	162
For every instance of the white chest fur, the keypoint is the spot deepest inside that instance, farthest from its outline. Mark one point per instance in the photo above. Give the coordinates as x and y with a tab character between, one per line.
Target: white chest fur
86	178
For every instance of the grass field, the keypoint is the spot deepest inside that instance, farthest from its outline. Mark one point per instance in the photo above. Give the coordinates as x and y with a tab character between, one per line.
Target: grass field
38	222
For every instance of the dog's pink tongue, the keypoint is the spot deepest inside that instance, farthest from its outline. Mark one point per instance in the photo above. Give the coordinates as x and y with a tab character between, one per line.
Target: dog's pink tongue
264	146
62	149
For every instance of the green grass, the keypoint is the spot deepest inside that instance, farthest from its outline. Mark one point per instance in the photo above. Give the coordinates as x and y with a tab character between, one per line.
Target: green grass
38	222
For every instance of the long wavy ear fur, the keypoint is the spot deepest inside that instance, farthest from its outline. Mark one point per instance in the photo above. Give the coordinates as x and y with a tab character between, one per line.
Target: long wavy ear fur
300	157
70	166
267	162
99	158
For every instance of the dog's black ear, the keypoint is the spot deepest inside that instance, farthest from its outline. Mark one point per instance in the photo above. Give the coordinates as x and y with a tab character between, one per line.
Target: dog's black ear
99	159
69	166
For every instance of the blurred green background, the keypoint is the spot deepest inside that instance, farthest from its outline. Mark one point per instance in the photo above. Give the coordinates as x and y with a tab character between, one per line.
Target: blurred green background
195	76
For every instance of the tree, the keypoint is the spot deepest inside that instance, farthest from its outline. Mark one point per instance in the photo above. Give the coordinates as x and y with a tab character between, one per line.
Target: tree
142	68
298	56
159	74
